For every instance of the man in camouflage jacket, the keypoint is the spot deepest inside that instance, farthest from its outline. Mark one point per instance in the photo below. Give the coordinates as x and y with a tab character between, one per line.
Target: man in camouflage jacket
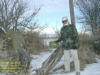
69	40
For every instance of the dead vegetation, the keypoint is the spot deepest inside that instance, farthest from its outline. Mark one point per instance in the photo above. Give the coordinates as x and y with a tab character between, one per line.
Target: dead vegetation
34	42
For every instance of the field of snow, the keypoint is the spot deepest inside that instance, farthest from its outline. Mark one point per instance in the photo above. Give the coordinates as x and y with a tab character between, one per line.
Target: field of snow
91	69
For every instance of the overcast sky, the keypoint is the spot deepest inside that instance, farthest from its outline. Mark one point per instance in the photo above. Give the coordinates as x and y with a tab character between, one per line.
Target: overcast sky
51	12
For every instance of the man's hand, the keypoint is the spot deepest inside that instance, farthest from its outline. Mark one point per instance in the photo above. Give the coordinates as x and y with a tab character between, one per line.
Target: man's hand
53	44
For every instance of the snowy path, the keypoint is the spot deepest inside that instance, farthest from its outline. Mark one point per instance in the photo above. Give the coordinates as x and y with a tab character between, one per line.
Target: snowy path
91	69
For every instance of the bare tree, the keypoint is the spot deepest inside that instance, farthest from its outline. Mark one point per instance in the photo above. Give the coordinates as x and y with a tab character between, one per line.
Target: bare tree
90	13
13	15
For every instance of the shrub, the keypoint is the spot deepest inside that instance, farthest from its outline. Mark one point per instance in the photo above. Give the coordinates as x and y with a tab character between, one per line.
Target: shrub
34	42
96	42
86	50
16	49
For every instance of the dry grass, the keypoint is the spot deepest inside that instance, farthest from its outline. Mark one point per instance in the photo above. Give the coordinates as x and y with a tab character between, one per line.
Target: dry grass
34	42
86	50
86	55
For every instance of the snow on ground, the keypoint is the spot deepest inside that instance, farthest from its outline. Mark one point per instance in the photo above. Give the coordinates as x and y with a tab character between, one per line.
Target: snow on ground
38	60
91	69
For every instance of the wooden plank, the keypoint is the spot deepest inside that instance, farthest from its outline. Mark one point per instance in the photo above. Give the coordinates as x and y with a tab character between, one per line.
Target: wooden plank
51	61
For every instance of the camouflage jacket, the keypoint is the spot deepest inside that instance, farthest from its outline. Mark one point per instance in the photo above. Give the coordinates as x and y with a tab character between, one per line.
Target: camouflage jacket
69	37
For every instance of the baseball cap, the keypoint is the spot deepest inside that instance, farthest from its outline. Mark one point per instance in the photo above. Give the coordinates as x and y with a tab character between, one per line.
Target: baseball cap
64	19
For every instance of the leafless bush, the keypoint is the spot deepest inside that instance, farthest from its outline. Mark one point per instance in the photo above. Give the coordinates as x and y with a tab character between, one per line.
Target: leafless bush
34	42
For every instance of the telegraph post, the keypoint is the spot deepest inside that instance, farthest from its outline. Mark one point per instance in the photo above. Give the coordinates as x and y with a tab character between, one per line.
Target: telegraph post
72	16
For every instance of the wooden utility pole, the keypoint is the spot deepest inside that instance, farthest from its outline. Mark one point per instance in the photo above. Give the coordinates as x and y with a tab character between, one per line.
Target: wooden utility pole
72	16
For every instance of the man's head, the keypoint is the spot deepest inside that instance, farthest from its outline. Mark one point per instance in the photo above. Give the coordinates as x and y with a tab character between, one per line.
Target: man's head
65	21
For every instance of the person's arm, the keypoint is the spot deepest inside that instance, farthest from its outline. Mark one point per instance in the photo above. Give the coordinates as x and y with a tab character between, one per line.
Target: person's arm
75	35
61	37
